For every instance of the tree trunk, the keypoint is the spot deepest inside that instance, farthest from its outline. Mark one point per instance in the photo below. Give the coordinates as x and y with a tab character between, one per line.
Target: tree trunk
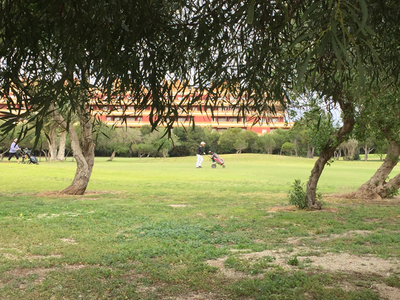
61	147
327	153
377	187
52	141
2	155
83	150
366	152
112	156
338	154
45	154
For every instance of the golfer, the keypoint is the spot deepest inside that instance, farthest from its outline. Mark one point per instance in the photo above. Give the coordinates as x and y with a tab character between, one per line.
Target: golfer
13	150
200	152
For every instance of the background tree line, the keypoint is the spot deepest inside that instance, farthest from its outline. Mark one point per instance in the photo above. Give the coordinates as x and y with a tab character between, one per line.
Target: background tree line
302	140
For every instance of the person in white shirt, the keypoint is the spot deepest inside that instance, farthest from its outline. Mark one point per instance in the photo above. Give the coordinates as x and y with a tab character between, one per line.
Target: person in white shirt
199	153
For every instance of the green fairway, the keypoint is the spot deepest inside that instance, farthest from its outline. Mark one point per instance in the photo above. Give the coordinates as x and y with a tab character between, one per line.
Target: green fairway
162	229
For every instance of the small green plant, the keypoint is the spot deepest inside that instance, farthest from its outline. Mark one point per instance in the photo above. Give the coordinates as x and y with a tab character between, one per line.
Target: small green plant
393	281
392	192
293	261
297	195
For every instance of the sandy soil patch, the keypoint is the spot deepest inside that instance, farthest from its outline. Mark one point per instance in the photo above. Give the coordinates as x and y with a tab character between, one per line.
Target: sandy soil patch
197	296
275	209
352	263
348	234
69	241
40	272
328	262
10	256
387	292
40	257
282	208
177	205
349	199
87	193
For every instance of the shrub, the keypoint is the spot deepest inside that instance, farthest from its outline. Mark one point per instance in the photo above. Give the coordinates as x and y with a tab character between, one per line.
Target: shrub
297	195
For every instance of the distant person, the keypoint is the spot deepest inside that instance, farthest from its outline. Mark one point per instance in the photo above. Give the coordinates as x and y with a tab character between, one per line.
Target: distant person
13	150
199	153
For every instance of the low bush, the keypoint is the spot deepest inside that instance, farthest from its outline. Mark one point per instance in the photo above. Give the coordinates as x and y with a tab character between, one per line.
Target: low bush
297	195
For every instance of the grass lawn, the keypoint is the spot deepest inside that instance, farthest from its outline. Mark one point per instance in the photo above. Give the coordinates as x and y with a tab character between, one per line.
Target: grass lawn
162	229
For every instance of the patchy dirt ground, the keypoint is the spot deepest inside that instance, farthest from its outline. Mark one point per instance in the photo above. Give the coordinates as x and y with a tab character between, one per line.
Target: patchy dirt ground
327	262
310	259
40	272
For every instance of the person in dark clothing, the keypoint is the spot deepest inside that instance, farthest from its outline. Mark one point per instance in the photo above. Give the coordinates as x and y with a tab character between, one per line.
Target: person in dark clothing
199	153
13	150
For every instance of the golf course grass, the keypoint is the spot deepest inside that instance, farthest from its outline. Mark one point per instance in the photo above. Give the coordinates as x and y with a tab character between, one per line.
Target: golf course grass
162	229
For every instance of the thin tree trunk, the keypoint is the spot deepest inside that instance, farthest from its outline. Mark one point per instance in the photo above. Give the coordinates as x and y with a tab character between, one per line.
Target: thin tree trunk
309	155
83	151
112	156
61	147
367	151
45	154
338	154
377	187
2	155
66	156
52	141
327	153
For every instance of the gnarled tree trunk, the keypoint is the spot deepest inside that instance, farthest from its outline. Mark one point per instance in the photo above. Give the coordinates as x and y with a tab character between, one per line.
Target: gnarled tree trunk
2	155
327	153
112	156
61	147
83	151
377	187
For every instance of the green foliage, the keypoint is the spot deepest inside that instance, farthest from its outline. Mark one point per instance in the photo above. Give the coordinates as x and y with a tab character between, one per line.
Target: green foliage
293	261
280	137
315	126
392	192
228	139
265	143
393	281
287	148
240	145
190	138
121	140
297	195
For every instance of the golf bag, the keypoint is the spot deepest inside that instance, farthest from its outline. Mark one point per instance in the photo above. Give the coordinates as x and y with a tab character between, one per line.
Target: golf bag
216	160
28	157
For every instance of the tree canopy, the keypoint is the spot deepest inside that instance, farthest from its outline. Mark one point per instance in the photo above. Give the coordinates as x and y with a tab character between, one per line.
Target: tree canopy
59	57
